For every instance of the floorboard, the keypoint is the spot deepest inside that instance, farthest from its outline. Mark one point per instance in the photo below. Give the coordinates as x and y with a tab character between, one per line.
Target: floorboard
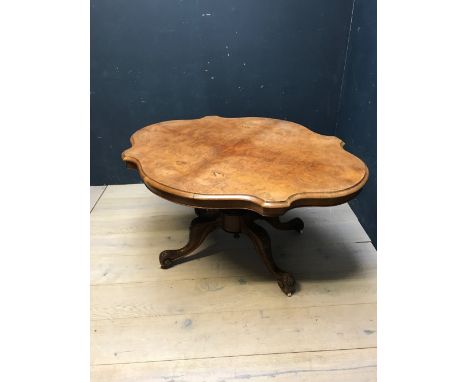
241	332
95	194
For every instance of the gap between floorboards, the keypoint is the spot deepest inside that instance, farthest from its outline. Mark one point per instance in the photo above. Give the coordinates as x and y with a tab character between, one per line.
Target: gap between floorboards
234	356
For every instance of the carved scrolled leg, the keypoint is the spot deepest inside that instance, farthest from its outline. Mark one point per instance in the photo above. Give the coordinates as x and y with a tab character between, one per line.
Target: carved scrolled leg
295	224
262	243
200	227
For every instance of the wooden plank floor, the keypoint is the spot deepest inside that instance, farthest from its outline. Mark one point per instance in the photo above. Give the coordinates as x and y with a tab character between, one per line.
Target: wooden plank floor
222	317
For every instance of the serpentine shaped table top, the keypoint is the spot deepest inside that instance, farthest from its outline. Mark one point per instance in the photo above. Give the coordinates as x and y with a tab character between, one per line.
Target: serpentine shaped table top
260	164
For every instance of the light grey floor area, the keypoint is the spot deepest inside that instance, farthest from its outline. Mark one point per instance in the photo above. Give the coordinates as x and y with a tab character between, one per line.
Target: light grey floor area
95	194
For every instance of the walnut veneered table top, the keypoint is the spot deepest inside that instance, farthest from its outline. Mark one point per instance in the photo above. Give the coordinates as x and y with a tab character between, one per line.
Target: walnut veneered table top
261	164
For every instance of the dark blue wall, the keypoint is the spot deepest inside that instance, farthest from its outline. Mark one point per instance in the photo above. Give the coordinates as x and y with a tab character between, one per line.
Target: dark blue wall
155	60
357	121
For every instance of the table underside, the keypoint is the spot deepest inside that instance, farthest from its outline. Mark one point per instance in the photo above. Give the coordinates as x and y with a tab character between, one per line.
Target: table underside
235	222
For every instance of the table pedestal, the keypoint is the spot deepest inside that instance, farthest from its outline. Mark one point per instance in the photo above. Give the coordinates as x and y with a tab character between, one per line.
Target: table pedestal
236	222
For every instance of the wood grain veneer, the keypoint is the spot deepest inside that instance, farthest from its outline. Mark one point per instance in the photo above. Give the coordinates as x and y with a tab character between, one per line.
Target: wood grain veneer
261	164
